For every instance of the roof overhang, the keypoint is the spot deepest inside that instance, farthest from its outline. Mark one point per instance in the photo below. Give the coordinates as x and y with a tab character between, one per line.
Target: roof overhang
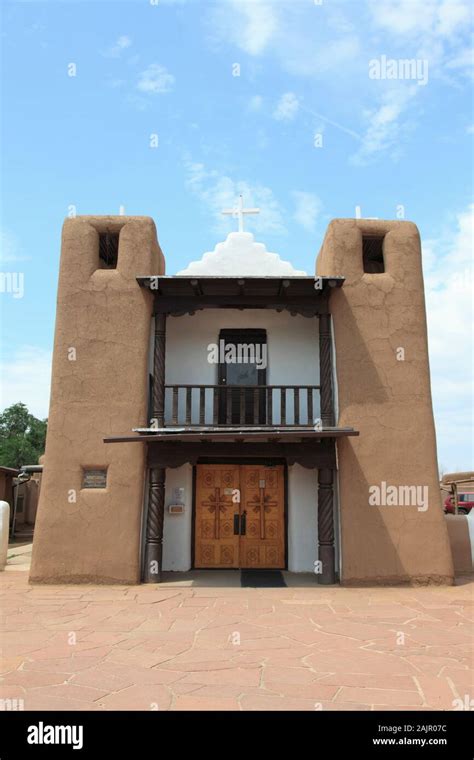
184	294
232	435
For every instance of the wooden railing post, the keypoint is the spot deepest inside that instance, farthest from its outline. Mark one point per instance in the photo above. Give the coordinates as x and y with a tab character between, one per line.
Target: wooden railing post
269	406
242	405
202	406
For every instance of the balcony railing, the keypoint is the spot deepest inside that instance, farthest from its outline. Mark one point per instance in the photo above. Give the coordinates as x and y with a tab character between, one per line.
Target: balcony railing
242	405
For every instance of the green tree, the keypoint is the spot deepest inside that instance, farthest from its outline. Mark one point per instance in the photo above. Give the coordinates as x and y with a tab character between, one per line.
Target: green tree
22	436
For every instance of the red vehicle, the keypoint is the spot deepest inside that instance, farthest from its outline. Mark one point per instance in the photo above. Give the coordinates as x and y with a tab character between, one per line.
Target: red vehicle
465	503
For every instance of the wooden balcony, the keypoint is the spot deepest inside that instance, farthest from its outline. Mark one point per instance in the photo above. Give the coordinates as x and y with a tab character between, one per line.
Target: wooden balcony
242	406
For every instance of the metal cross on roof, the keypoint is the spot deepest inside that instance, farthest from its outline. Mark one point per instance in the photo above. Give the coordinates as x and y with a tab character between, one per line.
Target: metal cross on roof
239	211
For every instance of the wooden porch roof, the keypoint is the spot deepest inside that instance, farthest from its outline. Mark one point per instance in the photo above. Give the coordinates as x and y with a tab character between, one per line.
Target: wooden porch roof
231	435
181	294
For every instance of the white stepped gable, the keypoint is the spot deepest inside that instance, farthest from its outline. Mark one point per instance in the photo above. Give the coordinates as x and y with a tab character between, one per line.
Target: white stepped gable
241	256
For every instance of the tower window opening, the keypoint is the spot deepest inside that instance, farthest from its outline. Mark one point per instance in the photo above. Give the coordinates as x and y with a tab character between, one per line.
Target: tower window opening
108	250
372	254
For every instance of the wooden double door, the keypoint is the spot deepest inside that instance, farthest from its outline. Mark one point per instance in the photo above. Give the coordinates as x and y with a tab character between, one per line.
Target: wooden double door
240	516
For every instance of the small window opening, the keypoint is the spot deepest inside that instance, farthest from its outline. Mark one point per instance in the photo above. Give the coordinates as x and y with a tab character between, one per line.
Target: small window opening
108	250
372	254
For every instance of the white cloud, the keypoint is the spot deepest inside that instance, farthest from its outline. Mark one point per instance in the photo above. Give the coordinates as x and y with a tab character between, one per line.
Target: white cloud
449	289
333	43
155	80
385	130
433	31
218	191
307	40
26	377
116	50
10	249
307	209
438	30
249	24
287	107
418	18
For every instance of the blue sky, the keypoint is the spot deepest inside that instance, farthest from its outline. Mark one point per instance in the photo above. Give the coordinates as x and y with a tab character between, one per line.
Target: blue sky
169	69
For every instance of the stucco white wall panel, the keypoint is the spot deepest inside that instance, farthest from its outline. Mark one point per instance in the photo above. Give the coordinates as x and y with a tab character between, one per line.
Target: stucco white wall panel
302	519
293	355
178	528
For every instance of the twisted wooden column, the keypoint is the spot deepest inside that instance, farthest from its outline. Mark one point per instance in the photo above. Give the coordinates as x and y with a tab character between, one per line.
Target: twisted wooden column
156	484
159	369
154	525
325	370
326	553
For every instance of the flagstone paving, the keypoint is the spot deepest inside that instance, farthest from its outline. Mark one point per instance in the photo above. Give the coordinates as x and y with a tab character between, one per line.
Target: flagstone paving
182	646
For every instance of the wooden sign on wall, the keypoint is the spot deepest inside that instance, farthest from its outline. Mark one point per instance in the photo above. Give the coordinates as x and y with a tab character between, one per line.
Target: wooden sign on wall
94	479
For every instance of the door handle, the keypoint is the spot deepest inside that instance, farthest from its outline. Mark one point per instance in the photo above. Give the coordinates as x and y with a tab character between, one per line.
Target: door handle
243	523
236	524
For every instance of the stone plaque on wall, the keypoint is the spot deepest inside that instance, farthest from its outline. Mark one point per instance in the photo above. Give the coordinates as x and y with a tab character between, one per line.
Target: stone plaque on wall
94	479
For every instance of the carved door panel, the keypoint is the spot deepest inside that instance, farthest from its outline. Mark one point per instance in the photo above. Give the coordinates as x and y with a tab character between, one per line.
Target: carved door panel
262	540
217	516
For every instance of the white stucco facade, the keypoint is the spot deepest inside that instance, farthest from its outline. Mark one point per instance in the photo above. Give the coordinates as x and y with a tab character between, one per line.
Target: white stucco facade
177	529
293	354
293	359
302	519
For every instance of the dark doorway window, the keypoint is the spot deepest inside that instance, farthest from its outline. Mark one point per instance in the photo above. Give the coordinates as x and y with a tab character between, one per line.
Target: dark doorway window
242	376
108	250
372	254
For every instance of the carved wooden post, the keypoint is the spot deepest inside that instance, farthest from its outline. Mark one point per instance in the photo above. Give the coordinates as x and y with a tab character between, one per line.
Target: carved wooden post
325	370
159	369
156	485
154	525
326	553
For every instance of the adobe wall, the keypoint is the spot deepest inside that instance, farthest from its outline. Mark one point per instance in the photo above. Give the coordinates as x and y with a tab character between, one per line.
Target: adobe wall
93	535
460	531
389	402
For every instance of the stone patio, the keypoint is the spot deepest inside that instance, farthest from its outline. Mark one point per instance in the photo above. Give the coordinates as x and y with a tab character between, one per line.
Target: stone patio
200	642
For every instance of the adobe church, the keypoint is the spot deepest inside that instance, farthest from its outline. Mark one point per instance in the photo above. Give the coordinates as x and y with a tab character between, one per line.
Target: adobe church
240	414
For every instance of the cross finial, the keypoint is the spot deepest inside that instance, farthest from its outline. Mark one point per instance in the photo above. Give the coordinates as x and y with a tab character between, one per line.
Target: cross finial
239	211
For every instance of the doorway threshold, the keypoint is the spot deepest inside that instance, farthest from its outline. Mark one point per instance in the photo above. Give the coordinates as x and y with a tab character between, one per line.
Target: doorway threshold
262	579
232	578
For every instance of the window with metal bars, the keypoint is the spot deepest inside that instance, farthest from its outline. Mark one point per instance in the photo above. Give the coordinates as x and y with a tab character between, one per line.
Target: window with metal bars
372	254
108	249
